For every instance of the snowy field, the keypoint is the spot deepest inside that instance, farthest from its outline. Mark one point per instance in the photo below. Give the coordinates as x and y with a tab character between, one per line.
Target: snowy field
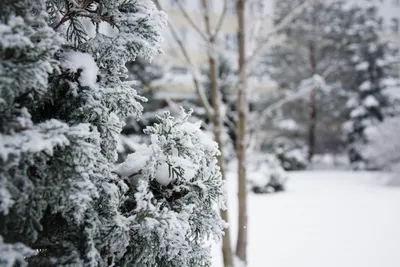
324	219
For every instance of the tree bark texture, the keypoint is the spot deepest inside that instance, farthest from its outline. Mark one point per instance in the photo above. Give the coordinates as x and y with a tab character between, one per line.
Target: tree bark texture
227	253
312	126
242	106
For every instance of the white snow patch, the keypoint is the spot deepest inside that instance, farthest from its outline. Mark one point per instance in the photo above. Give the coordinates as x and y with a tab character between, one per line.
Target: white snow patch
365	86
162	174
77	61
134	162
362	66
370	102
325	218
358	112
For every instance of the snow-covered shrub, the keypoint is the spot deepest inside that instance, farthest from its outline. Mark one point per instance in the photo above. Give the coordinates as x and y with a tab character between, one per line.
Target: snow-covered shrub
382	151
293	158
175	192
291	152
266	174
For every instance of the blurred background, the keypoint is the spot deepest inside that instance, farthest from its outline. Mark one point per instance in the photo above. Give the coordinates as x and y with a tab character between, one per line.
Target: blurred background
320	100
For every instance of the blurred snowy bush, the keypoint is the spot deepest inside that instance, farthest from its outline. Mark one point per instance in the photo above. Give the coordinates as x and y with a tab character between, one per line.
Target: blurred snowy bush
266	174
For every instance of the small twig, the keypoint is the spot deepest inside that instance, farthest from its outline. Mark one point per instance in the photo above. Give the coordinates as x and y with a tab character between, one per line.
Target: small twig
191	22
199	91
221	19
136	173
68	16
43	246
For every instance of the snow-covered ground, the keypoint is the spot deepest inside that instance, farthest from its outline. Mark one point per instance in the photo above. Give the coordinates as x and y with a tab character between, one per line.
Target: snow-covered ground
324	219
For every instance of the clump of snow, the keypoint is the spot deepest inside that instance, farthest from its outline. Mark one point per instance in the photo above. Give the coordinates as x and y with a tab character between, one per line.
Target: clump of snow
362	66
134	162
365	86
82	64
6	200
370	102
358	112
163	176
43	137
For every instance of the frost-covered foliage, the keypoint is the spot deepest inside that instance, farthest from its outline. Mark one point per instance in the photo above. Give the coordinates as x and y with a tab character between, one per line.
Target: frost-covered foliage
63	99
147	75
266	174
368	69
175	190
383	148
292	155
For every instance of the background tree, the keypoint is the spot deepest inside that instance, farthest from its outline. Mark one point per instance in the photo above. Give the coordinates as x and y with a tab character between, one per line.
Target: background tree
308	48
369	66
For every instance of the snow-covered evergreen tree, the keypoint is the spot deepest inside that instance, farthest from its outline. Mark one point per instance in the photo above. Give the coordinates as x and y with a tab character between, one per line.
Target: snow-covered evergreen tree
63	99
370	61
175	189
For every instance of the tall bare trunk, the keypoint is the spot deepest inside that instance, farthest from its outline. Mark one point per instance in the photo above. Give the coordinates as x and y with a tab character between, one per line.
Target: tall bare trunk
312	126
241	245
217	128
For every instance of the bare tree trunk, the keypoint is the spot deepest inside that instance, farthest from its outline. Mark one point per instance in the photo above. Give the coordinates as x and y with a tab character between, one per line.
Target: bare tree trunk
217	128
216	102
312	127
242	106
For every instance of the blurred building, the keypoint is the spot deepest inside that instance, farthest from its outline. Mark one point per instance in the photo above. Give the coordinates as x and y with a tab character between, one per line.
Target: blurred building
259	16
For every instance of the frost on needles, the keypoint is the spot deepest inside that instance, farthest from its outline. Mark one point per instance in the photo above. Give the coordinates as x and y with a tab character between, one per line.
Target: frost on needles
63	100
